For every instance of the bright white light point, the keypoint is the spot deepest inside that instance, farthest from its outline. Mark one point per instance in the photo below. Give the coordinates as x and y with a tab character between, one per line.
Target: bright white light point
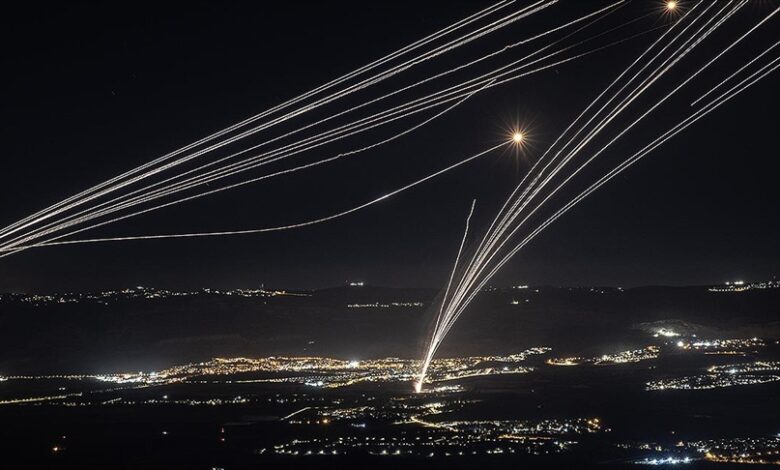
671	5
517	137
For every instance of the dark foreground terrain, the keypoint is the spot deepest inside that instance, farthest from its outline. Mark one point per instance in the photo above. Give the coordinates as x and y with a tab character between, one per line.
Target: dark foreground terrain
546	378
147	328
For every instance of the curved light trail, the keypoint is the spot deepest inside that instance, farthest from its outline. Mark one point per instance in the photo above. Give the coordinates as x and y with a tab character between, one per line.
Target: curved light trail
500	242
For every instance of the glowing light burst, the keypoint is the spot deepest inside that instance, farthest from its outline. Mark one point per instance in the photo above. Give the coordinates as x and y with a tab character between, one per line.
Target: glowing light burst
520	143
672	9
521	136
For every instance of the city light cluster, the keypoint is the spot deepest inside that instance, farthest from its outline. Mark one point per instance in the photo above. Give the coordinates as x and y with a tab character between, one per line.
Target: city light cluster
665	461
329	372
724	346
757	450
666	333
134	293
623	357
444	439
742	286
722	376
387	305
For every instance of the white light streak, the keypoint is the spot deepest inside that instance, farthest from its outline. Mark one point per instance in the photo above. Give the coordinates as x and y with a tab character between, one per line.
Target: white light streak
488	258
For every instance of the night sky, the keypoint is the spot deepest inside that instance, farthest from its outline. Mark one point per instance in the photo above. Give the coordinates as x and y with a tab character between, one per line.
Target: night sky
91	90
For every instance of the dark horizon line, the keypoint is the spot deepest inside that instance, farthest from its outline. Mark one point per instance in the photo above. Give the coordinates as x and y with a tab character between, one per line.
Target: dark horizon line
366	285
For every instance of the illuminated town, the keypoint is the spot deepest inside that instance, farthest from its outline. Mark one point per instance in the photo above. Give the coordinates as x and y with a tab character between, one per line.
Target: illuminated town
138	292
568	404
351	407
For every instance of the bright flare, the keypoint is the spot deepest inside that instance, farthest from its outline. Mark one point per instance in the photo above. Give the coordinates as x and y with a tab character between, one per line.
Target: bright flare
671	5
517	137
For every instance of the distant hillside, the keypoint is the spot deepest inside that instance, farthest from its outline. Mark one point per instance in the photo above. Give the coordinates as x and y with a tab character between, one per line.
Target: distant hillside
131	331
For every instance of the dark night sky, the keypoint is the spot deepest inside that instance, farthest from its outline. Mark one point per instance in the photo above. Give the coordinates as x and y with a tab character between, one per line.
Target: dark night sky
94	89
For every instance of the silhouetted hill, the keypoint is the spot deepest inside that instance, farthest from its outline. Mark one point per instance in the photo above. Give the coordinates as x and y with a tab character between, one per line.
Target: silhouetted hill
131	331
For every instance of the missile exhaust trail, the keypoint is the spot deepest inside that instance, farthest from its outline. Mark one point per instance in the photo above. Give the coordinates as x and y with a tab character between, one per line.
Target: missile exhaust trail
281	227
483	265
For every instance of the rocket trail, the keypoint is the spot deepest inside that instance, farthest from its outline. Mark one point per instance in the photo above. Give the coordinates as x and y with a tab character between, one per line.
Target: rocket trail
80	198
737	72
393	93
482	262
288	171
427	360
457	25
438	336
213	191
202	180
559	166
490	256
490	234
486	256
457	258
146	198
734	91
281	227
